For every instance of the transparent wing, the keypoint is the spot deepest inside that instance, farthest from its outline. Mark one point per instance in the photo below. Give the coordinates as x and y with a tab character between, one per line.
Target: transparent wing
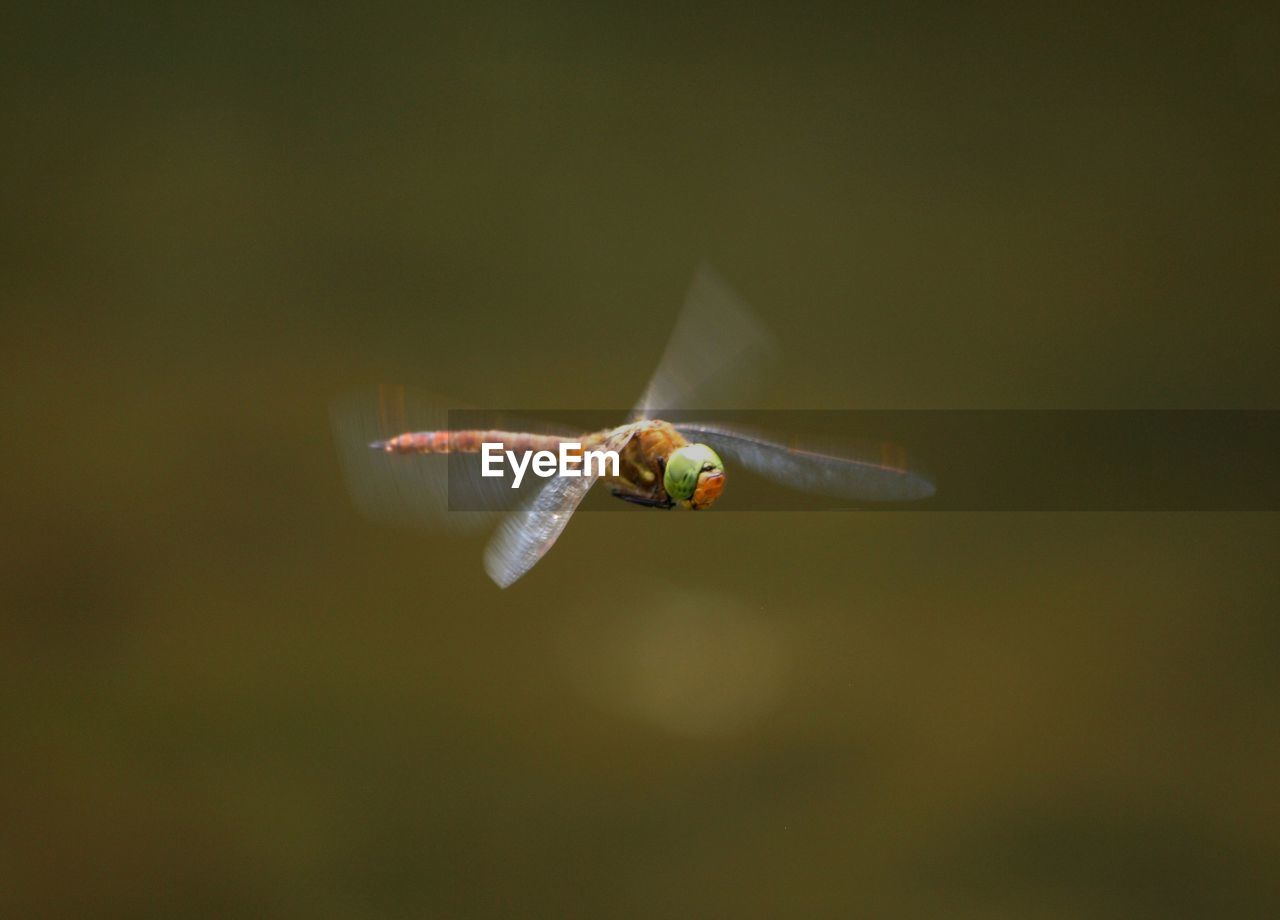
716	345
413	490
871	473
525	536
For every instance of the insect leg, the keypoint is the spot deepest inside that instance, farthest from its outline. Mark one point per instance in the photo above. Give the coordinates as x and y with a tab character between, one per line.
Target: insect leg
637	498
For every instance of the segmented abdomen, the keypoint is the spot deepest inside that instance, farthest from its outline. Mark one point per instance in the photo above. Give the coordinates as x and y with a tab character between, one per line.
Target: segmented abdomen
467	442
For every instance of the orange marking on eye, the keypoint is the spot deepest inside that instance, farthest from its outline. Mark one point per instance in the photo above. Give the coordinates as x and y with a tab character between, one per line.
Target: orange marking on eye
709	488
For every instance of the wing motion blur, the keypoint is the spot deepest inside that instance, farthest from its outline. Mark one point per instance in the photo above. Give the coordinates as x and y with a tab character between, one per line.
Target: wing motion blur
525	536
875	473
716	347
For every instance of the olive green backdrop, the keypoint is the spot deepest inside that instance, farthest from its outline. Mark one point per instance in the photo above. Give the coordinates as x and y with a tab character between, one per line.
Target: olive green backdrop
226	694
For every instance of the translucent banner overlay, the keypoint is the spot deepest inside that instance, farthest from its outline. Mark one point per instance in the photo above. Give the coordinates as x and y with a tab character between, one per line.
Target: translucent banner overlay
914	460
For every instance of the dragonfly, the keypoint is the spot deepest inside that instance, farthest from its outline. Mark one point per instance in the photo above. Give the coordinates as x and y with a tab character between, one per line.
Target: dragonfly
662	464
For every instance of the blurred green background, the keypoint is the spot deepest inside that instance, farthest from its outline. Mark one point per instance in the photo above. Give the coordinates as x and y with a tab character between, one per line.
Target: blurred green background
226	694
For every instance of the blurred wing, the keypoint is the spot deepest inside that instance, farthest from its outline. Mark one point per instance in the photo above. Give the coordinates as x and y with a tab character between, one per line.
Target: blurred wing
878	473
525	536
715	343
412	490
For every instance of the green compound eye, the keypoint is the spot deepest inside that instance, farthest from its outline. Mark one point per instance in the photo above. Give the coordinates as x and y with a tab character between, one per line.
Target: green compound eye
684	466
